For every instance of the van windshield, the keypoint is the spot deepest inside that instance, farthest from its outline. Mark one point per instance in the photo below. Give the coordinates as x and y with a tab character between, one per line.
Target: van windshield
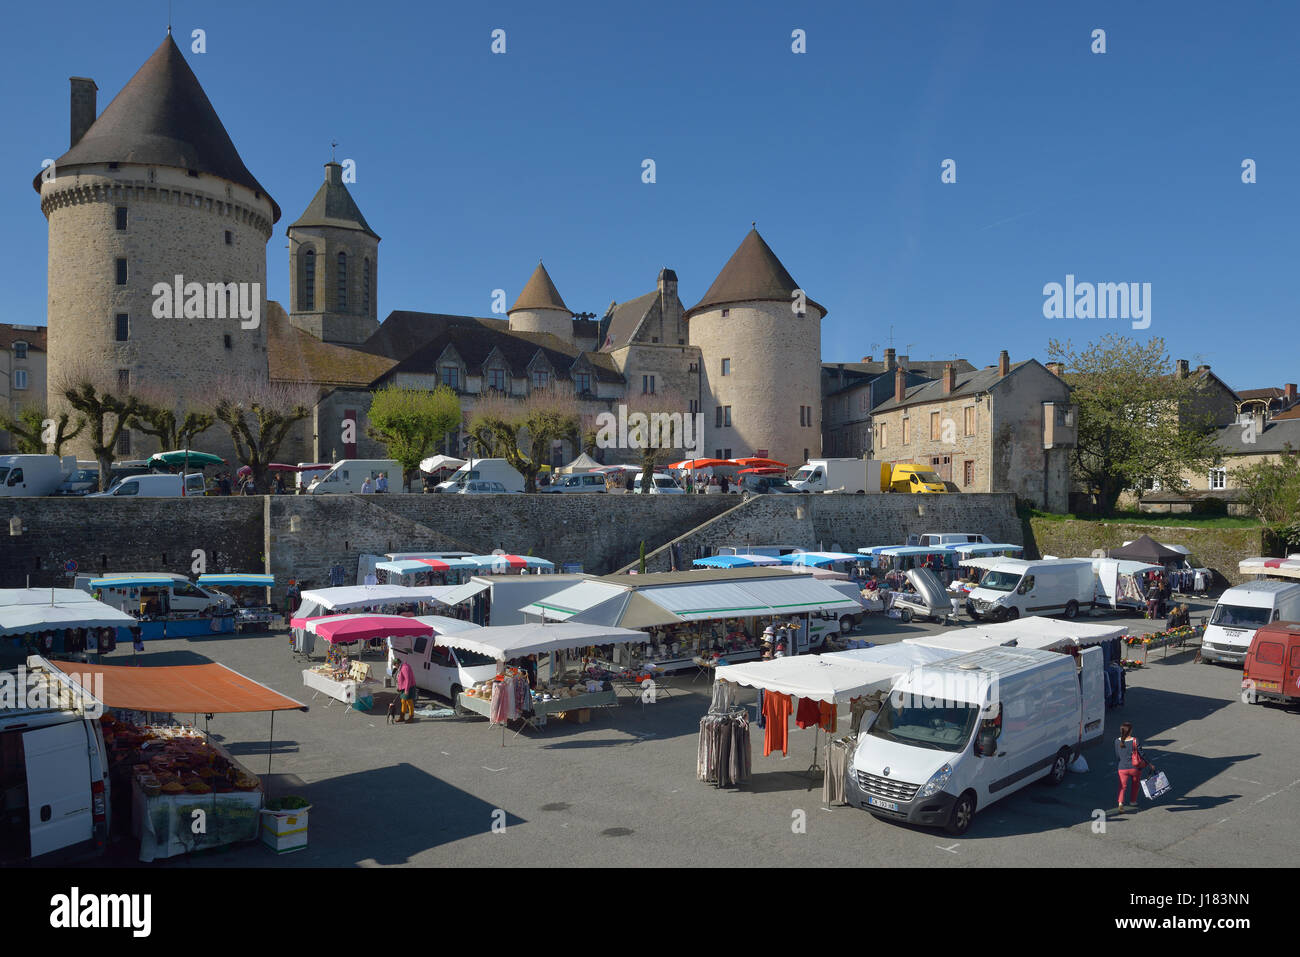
804	475
1240	616
1000	581
927	477
472	659
940	727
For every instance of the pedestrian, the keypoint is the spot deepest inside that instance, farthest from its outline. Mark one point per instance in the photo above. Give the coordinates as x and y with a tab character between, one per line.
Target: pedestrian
1164	593
1131	764
366	487
381	484
223	483
1178	618
723	483
406	687
249	487
279	484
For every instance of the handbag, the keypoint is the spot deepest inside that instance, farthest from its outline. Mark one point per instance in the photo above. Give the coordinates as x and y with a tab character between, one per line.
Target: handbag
1156	784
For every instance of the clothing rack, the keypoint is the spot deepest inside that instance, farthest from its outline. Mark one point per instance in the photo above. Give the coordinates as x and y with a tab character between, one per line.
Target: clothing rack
724	757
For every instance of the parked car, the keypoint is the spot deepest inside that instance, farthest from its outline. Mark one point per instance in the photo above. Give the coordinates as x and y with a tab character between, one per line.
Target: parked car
582	482
491	470
766	484
82	481
349	475
156	486
440	670
660	485
909	477
480	487
842	475
1272	669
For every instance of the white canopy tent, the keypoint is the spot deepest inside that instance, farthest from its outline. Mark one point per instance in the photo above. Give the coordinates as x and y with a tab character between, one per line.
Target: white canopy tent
1048	634
435	462
324	601
25	610
836	678
514	641
741	598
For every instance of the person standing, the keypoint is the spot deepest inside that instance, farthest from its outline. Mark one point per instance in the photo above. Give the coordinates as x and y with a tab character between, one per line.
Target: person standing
381	483
406	687
723	483
366	487
1130	764
279	484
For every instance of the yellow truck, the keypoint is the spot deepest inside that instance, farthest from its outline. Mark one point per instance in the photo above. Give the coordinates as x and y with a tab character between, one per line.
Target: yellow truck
910	477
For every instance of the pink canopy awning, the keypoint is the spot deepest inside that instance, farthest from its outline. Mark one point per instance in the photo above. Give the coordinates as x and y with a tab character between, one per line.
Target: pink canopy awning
346	628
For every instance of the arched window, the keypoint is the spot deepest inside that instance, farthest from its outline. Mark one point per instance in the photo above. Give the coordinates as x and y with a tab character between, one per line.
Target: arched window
342	298
365	287
307	297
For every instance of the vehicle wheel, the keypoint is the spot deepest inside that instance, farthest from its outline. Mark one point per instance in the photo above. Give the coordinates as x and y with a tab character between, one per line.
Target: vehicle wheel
1013	614
455	700
905	615
846	624
861	491
1059	763
1071	609
970	610
963	812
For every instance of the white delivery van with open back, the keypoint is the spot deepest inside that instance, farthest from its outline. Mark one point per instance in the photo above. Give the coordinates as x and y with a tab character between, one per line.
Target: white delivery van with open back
1014	587
954	736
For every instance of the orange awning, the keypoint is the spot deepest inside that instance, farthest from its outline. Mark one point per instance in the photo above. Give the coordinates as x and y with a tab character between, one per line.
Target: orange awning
196	689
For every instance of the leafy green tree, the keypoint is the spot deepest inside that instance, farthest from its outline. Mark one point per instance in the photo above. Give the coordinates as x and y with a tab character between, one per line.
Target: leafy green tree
29	431
1271	490
1138	420
412	422
258	416
522	431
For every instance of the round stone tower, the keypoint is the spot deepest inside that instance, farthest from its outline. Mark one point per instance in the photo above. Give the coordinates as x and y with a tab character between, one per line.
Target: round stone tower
157	243
539	308
760	359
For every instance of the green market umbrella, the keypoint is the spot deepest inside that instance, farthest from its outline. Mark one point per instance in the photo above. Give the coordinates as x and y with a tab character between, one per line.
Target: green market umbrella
186	457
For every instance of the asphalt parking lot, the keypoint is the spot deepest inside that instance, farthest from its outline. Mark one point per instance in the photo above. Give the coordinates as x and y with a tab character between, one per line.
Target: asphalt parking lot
621	790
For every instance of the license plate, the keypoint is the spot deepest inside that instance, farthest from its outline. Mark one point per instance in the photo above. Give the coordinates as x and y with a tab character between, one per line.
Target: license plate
1268	686
1232	634
887	805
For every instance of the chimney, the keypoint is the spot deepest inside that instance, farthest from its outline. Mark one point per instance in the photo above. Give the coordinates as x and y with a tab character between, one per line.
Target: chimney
890	362
82	111
1181	367
900	383
1258	419
1004	363
1289	393
949	378
1056	368
667	282
1202	368
868	358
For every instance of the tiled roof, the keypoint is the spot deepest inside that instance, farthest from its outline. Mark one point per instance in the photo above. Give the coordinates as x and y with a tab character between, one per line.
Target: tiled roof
968	383
1276	435
34	337
1272	392
752	274
162	117
297	356
539	293
931	368
334	206
625	318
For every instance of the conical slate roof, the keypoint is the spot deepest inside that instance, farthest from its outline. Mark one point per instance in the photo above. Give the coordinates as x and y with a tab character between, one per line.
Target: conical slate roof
539	293
333	205
162	117
752	274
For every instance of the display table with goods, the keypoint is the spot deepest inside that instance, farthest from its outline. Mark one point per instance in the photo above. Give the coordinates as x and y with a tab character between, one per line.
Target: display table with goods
631	681
264	618
508	698
341	680
1177	637
175	772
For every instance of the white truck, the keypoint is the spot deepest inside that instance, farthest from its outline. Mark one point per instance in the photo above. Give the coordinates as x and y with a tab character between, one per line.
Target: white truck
1015	587
842	475
440	670
1241	611
492	470
54	783
949	538
27	476
956	735
349	475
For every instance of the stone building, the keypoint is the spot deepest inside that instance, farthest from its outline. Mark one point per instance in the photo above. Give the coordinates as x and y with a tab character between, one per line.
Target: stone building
1004	428
152	194
22	372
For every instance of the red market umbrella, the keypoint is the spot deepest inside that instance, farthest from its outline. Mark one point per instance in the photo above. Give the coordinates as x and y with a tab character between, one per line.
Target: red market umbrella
347	628
761	463
273	467
698	463
762	471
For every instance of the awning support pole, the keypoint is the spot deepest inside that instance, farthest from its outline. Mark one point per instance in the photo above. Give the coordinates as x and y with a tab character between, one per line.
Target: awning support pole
269	743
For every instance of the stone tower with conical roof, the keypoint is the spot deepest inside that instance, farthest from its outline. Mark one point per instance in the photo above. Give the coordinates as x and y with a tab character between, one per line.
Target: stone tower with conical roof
539	308
151	194
334	266
760	346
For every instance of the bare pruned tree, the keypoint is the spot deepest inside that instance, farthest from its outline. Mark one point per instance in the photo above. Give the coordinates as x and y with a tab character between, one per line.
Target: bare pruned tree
259	414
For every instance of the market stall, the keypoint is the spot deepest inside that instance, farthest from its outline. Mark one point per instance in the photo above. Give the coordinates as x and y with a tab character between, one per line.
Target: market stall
426	571
341	678
322	602
148	598
251	595
735	561
512	564
58	622
1284	569
170	770
1120	583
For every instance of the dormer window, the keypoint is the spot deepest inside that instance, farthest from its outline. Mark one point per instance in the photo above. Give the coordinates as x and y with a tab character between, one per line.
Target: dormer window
582	382
497	379
541	379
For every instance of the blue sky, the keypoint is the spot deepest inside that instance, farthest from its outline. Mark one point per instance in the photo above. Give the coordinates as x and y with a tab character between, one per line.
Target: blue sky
1115	167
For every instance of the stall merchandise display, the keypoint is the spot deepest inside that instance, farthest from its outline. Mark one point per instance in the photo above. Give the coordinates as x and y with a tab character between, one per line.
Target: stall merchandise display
839	758
724	756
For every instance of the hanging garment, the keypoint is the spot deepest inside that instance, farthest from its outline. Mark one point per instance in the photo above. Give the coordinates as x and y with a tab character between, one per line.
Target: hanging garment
809	713
338	575
777	708
839	754
500	704
724	696
827	717
758	710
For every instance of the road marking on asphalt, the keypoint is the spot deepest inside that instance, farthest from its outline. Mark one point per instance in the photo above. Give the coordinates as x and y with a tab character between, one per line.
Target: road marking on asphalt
1247	780
1278	791
950	850
493	770
448	753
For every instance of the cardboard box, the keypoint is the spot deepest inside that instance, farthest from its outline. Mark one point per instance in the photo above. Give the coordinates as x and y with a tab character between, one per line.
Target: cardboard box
578	716
284	831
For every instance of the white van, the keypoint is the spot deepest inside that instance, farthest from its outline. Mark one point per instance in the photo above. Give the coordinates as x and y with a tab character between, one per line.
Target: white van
954	736
349	475
659	485
156	486
492	470
1240	612
182	595
440	670
31	475
54	782
581	482
1015	587
949	538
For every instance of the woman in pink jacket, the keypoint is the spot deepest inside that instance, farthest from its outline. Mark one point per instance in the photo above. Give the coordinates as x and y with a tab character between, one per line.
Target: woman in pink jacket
406	685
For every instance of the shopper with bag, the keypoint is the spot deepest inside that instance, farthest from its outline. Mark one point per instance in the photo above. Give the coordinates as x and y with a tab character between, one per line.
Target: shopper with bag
1130	764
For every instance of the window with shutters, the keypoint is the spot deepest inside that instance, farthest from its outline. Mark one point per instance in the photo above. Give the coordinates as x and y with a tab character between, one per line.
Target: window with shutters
968	414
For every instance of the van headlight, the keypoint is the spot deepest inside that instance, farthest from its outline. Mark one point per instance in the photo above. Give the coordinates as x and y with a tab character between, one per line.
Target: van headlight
936	782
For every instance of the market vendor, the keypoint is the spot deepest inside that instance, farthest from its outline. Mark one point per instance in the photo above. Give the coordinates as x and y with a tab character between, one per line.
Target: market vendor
406	687
1178	618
